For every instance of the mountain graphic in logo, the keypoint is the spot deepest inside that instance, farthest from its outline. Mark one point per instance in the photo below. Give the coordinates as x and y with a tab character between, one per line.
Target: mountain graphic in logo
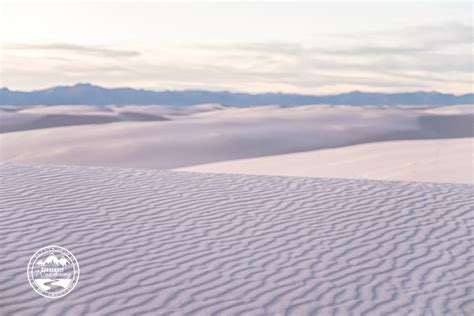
53	260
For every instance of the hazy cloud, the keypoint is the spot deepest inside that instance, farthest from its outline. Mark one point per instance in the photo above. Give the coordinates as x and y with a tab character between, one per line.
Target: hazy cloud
280	48
419	58
74	48
416	56
410	40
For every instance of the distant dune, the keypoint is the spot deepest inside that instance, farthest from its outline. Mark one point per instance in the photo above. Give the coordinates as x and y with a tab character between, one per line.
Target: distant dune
179	243
167	137
14	119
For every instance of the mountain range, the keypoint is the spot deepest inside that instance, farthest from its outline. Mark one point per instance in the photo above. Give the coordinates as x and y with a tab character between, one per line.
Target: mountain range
86	93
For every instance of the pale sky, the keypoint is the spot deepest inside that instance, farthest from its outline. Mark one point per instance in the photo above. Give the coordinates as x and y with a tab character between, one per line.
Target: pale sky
255	47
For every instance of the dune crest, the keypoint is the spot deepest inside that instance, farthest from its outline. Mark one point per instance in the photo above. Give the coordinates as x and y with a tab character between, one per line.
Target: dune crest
437	160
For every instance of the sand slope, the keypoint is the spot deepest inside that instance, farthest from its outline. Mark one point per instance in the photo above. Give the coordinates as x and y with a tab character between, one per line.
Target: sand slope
440	160
210	133
161	242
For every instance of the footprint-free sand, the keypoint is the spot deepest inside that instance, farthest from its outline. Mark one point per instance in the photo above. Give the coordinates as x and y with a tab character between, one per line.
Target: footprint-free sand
175	243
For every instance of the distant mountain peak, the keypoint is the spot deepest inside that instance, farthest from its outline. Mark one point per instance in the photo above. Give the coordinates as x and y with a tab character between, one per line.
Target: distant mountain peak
85	85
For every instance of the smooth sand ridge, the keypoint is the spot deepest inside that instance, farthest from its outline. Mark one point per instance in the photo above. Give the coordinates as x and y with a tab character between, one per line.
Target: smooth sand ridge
14	118
162	242
440	160
201	135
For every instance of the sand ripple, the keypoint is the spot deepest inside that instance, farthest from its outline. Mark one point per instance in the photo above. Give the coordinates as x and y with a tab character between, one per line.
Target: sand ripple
159	242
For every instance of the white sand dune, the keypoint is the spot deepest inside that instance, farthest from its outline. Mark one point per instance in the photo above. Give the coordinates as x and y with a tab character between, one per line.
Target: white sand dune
14	119
175	243
211	133
440	160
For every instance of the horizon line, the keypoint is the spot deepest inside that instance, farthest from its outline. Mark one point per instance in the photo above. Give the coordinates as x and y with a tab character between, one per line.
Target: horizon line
229	91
